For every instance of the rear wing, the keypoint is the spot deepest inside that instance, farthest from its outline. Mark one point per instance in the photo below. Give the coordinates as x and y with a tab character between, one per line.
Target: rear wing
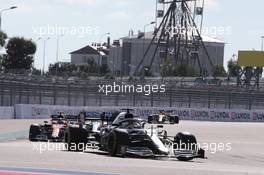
71	117
98	116
57	117
64	117
83	116
163	119
92	116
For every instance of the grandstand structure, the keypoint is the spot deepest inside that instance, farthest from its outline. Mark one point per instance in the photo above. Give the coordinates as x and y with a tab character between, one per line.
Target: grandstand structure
182	93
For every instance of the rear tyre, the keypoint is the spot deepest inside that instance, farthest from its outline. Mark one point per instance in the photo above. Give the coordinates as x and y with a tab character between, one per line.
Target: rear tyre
185	141
150	119
177	119
75	139
34	131
172	120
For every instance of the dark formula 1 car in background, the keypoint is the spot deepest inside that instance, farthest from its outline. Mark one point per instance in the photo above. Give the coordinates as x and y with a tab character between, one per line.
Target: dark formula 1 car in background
127	135
163	117
52	130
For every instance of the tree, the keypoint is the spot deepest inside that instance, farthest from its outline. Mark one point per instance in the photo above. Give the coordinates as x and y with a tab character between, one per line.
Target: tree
83	71
20	54
3	37
36	71
219	71
104	69
184	70
167	69
233	68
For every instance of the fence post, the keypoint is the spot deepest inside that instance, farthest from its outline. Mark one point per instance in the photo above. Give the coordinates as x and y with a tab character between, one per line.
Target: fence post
69	95
54	94
249	100
229	100
209	99
40	94
28	92
134	99
190	101
1	94
11	95
170	94
19	92
84	96
152	100
100	99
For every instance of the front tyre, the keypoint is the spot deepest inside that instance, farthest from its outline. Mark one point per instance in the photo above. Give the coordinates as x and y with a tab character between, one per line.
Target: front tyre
112	144
34	132
185	141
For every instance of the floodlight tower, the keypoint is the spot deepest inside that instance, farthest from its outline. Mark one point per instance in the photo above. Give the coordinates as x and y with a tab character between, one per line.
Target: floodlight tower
178	35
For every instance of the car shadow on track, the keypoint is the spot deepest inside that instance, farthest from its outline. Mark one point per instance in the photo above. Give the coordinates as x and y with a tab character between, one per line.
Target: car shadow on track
158	158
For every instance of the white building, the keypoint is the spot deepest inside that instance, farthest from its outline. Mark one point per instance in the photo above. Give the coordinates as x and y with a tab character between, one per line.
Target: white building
88	54
126	56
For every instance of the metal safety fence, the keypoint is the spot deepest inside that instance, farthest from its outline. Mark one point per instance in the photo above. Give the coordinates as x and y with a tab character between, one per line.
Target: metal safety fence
86	93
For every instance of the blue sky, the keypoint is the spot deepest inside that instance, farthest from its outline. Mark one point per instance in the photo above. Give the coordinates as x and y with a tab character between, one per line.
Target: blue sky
241	20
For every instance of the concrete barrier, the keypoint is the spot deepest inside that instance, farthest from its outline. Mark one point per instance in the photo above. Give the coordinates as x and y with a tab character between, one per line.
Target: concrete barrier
6	112
44	111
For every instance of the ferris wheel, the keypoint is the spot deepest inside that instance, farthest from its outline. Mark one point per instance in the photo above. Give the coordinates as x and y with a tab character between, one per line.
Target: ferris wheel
177	34
196	10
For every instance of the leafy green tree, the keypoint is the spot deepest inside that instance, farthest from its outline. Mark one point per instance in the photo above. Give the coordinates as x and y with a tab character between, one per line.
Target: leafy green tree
20	54
3	37
204	72
233	68
167	68
35	71
85	70
219	71
184	70
104	69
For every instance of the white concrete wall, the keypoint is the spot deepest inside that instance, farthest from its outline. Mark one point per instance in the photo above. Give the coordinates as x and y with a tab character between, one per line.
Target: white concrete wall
7	113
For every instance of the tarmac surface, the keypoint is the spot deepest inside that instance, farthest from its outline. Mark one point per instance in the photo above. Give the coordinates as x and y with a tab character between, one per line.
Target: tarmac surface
240	151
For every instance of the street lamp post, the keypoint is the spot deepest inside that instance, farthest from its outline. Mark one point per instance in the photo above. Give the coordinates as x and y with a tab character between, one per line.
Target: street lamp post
262	43
57	53
44	54
99	61
36	40
58	43
1	11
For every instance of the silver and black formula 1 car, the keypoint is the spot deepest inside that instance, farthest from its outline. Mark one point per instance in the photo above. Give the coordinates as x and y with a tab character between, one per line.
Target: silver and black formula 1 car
52	130
163	117
127	135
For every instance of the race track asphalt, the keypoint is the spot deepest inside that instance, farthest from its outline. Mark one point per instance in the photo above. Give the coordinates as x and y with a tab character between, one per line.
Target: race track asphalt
245	157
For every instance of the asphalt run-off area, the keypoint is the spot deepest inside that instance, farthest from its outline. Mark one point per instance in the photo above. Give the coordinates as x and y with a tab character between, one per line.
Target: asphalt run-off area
246	156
